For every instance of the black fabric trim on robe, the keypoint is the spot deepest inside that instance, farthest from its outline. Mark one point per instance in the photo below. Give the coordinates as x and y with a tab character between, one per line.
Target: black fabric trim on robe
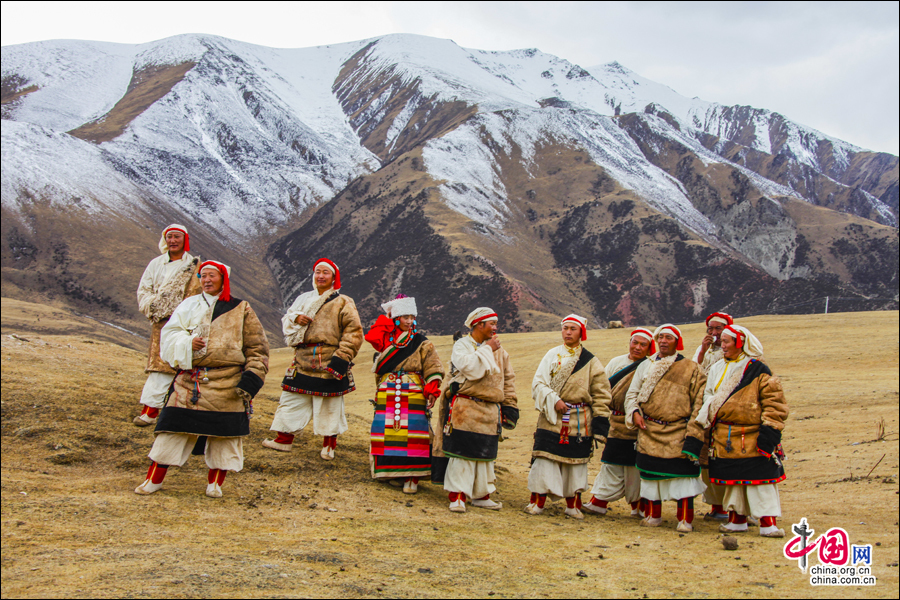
401	354
250	382
753	370
692	445
619	452
438	469
756	468
203	422
510	416
470	445
768	439
665	468
600	426
200	446
584	359
223	307
317	386
622	373
338	365
547	441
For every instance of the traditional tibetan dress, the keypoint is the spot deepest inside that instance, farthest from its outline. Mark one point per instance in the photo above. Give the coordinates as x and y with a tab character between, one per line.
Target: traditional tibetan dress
564	443
406	371
745	407
618	476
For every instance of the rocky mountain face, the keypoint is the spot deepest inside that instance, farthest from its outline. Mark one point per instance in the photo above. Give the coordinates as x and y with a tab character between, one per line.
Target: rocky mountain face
511	179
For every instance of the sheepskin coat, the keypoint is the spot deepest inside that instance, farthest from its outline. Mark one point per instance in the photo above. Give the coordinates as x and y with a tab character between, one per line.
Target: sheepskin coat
620	443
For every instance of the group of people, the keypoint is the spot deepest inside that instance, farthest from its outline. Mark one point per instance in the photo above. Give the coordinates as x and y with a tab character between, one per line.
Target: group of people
671	428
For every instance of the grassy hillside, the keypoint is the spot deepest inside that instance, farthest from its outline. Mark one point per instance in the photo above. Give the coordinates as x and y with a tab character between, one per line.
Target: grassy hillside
292	525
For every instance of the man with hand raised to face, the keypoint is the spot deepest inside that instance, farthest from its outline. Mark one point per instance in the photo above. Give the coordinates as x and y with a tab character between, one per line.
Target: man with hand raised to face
618	477
571	392
662	402
323	327
709	352
167	280
478	399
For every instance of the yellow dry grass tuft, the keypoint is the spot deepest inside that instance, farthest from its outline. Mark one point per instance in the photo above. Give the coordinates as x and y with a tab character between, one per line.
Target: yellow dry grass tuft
293	525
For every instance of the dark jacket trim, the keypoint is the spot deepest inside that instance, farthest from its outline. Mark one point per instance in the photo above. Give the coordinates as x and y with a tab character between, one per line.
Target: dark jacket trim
223	307
401	354
751	372
692	447
250	382
317	386
438	469
338	367
202	422
756	468
547	441
200	446
509	416
623	373
619	452
471	446
768	439
600	426
652	467
584	359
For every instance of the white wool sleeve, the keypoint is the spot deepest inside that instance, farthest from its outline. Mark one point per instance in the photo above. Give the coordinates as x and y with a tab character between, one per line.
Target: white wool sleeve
177	335
545	398
473	362
634	390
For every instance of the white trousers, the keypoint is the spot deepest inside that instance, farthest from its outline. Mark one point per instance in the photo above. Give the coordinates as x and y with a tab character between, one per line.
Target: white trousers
557	480
295	411
756	501
671	489
474	478
617	481
174	449
713	494
155	389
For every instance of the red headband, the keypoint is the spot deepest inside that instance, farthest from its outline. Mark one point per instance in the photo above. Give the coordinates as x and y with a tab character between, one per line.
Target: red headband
484	318
724	316
187	238
674	330
225	296
337	272
649	335
738	336
580	324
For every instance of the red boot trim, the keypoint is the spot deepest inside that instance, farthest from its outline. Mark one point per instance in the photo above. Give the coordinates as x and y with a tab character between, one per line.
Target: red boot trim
717	509
326	441
680	510
634	505
333	442
604	503
689	510
533	498
157	472
570	502
211	476
220	476
488	497
656	509
413	480
541	499
152	412
454	496
284	438
578	503
767	522
739	519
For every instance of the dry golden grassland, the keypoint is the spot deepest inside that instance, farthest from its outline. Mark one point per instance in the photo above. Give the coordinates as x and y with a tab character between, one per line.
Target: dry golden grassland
293	525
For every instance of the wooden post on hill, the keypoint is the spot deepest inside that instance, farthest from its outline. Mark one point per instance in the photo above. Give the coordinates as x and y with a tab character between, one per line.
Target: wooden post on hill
826	305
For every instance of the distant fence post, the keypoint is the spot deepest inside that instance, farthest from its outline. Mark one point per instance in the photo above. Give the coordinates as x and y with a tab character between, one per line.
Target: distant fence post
826	305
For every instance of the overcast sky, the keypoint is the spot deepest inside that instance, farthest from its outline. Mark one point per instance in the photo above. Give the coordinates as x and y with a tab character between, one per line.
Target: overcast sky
830	65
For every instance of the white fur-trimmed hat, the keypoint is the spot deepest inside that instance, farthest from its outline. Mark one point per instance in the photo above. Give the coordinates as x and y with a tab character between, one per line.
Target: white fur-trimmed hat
399	306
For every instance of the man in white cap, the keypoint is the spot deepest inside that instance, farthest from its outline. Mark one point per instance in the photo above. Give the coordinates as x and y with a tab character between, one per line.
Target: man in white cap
618	477
571	392
662	401
168	279
323	327
745	408
477	400
708	353
221	353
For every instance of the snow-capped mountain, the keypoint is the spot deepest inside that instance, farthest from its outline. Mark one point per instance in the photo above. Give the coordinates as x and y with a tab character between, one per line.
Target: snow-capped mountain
489	152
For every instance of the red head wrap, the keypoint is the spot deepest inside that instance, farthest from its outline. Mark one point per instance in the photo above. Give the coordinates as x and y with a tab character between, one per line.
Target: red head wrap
671	330
334	269
164	247
737	335
581	323
647	335
225	295
721	317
